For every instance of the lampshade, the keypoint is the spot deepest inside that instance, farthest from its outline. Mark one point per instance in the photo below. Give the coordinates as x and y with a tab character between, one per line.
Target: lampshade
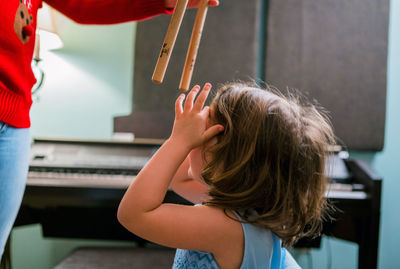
47	29
47	38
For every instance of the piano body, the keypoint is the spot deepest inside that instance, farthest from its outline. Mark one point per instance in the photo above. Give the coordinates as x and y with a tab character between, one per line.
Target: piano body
74	188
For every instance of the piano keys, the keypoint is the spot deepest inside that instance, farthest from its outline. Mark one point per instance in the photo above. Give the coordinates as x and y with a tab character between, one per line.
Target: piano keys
93	164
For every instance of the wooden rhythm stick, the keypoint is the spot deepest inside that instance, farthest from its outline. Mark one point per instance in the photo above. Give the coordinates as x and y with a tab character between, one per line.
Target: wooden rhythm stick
193	46
169	40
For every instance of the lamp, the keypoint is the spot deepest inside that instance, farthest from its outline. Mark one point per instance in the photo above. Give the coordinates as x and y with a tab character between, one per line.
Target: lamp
47	29
47	38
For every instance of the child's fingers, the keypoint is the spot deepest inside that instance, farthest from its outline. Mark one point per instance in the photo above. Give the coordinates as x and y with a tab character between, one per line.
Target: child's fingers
190	98
212	131
201	99
178	104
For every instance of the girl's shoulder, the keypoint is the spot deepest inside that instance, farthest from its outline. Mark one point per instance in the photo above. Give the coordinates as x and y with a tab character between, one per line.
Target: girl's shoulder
223	220
229	249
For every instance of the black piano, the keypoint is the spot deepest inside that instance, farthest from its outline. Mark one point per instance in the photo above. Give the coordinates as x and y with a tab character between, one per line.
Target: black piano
74	188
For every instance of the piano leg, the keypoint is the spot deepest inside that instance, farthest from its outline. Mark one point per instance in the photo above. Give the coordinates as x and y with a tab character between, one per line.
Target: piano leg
368	242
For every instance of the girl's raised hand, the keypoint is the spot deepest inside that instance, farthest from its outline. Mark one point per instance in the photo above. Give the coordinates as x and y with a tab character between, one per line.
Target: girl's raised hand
190	126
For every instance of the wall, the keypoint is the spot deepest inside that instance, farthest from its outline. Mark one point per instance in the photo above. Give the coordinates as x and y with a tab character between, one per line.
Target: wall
89	81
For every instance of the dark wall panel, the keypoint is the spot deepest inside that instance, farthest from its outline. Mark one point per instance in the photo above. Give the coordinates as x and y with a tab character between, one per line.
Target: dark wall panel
334	51
228	51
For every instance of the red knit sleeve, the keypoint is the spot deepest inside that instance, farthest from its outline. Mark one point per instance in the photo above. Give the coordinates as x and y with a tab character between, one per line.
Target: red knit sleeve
109	11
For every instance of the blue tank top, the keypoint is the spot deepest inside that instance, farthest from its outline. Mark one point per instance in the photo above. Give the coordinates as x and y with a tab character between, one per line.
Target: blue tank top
262	249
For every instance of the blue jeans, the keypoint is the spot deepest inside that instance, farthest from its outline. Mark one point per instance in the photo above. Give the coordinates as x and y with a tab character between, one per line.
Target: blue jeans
14	163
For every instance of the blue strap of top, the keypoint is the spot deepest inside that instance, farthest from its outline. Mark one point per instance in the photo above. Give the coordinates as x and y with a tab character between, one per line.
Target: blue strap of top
278	255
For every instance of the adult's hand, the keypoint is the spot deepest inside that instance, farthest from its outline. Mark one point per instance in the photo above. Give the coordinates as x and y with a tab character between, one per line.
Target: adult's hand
192	3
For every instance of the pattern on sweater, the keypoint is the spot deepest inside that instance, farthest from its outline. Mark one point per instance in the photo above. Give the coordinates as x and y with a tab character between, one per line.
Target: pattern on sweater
23	21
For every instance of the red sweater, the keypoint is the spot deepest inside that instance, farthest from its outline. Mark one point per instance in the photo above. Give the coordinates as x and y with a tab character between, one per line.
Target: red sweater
17	39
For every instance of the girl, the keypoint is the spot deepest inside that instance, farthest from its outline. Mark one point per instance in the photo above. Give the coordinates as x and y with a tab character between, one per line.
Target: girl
253	160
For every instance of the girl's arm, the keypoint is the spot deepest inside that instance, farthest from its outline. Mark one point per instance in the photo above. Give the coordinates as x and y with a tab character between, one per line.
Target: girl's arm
141	210
187	187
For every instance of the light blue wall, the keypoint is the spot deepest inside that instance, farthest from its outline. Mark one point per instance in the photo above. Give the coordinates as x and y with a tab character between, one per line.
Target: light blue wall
387	163
89	81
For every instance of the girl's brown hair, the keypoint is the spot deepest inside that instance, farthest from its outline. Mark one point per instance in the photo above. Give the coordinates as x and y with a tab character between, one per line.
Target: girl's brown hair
268	164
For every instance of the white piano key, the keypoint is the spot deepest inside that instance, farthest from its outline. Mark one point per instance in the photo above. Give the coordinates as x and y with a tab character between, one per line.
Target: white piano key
52	179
